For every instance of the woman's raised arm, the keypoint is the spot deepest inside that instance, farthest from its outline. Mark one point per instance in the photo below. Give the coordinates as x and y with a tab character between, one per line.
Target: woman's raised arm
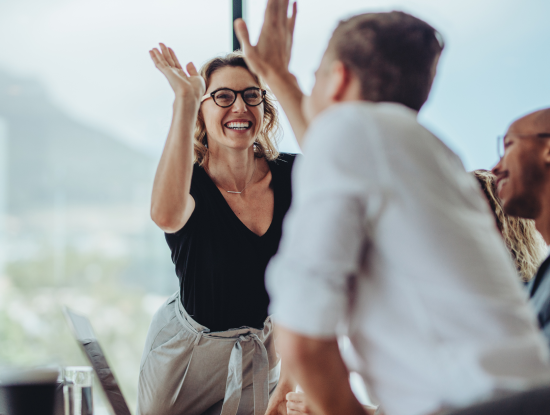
171	203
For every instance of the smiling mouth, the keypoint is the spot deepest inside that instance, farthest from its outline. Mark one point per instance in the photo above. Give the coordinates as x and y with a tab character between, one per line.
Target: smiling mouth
239	126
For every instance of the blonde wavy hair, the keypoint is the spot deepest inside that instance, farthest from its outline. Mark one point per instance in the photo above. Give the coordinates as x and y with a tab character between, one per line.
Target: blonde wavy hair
266	142
526	246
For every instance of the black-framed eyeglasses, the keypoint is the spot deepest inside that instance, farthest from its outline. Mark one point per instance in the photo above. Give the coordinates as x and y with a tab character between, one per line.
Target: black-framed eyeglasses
225	97
501	141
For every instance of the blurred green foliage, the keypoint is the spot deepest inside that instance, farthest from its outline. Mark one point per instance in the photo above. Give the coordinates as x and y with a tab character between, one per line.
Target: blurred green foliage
33	330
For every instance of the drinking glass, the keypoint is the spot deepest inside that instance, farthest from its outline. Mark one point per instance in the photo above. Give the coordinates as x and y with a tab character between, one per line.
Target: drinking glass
78	390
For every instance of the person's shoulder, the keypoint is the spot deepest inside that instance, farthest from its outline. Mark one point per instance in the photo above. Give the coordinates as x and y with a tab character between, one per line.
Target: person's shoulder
197	168
540	279
393	112
358	118
283	164
341	128
360	109
338	120
199	175
344	111
540	295
285	159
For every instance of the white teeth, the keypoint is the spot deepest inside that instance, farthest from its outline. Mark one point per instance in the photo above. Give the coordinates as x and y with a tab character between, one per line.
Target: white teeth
238	125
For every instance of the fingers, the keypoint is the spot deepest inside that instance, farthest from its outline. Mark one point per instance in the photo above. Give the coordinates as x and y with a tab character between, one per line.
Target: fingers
283	10
295	396
174	58
191	70
292	20
299	408
296	403
167	59
167	55
158	59
153	57
241	30
276	12
272	11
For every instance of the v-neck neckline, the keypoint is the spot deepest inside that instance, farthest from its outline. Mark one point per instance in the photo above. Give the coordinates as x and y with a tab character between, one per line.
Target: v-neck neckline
234	215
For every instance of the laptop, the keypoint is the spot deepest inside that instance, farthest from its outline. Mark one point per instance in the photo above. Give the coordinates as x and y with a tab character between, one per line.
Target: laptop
84	334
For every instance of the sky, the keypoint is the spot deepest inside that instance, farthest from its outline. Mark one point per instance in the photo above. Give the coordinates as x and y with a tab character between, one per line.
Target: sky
92	56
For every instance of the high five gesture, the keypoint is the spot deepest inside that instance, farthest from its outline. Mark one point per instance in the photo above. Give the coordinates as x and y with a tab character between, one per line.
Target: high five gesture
271	56
190	85
171	204
272	52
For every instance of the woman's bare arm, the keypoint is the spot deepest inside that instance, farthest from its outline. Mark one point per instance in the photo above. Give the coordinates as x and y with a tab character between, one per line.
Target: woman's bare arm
171	203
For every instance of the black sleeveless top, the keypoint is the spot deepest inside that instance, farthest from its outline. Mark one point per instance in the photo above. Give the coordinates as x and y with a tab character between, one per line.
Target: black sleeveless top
221	263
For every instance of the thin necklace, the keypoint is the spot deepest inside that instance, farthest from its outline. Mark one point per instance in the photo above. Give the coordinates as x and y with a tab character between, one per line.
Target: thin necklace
246	185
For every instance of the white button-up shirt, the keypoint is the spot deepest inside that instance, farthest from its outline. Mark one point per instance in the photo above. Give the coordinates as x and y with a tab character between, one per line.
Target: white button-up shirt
391	242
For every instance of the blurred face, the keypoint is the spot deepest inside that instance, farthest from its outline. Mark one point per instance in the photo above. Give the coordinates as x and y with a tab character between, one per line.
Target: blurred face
237	126
335	83
521	173
321	97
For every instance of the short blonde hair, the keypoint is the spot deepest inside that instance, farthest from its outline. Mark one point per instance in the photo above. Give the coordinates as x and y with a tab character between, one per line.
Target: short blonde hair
526	246
267	140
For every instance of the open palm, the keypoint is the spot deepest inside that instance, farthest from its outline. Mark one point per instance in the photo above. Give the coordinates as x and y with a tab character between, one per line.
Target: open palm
272	52
190	85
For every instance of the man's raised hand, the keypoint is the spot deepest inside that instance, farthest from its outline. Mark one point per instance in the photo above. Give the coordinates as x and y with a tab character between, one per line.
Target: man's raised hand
271	55
190	86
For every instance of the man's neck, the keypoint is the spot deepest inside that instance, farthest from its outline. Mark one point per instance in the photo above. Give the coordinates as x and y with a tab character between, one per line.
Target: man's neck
542	222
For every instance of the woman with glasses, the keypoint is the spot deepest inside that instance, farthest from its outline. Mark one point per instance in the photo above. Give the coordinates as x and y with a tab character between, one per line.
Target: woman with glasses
220	194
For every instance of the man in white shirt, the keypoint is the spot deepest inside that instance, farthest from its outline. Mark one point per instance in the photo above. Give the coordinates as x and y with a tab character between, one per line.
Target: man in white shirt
388	240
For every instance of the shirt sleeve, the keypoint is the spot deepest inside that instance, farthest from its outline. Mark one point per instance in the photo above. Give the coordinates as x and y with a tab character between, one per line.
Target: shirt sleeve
324	233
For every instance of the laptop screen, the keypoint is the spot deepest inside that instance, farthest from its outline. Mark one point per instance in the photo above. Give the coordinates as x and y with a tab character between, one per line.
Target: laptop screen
82	330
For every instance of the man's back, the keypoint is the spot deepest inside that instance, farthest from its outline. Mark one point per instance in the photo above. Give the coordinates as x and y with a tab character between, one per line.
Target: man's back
390	236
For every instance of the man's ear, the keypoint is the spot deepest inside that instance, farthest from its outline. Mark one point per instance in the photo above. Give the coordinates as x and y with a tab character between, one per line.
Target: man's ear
546	152
339	81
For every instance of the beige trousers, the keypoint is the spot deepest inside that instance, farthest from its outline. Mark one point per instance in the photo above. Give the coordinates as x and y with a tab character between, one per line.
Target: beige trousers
186	370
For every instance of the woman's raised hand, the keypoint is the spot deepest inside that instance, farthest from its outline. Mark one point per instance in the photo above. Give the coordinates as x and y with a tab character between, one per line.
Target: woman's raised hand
190	85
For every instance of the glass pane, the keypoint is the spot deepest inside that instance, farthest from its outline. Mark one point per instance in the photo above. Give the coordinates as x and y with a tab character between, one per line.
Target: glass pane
81	134
468	104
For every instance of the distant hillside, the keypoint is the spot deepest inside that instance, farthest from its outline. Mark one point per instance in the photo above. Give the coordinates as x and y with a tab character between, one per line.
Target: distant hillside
76	197
48	152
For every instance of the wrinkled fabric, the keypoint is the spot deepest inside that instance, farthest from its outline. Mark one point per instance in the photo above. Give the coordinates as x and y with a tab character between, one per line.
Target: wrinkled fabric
187	370
532	402
391	242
